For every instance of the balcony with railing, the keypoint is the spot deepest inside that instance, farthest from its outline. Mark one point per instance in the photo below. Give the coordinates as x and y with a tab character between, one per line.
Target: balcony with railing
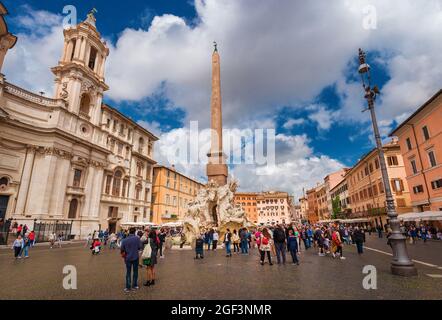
75	190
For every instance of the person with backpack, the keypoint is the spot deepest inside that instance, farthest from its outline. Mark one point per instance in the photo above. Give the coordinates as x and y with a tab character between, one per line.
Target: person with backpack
337	243
292	243
130	247
26	246
265	246
280	243
244	241
19	230
199	247
149	256
359	238
319	240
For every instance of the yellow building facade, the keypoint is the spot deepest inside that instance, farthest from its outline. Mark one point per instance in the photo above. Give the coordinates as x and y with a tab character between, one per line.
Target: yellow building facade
171	193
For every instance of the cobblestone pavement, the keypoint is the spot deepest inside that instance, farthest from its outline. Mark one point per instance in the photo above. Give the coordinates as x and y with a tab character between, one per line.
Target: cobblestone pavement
179	276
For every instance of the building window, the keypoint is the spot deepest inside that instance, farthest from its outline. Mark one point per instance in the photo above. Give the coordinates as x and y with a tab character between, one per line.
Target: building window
140	145
375	190
381	187
77	178
120	149
138	189
85	104
92	58
146	194
418	189
167	199
413	166
426	133
437	184
123	193
408	141
108	184
432	158
74	44
117	183
139	169
73	209
392	161
398	185
148	172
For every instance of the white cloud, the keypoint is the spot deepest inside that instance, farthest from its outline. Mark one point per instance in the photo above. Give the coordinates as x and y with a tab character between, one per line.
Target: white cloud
273	53
296	167
322	116
38	48
291	123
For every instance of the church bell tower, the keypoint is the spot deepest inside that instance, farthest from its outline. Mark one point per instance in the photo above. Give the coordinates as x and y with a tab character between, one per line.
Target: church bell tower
79	75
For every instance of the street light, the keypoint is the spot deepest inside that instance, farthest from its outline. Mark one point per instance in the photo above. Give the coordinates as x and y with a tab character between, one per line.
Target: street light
401	264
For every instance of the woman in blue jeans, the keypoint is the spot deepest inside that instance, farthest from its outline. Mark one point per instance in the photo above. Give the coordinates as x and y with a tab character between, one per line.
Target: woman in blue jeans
359	238
227	242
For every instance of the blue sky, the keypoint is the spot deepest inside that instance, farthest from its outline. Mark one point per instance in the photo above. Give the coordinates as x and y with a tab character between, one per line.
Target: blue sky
294	69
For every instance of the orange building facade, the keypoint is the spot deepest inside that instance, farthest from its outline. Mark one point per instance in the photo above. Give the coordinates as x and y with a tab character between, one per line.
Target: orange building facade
420	140
312	206
366	189
171	193
247	201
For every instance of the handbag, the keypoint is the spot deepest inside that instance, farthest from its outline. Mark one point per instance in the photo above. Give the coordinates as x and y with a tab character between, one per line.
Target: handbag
147	252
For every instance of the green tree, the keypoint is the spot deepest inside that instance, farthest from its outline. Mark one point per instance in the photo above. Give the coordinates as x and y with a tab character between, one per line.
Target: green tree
336	205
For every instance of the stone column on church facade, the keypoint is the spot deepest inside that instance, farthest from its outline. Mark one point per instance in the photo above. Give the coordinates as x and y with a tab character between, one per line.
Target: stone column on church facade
56	207
25	181
88	190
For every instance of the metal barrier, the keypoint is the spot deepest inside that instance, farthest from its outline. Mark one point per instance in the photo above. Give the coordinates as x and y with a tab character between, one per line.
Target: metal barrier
43	230
4	231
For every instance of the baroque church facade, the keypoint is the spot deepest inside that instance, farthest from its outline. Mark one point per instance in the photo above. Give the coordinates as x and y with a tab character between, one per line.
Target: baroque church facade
72	157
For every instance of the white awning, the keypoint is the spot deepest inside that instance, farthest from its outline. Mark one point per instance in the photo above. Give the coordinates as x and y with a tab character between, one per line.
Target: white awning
178	223
137	224
424	216
328	221
358	220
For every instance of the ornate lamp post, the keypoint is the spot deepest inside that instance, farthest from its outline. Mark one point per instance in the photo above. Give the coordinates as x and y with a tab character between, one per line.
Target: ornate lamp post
401	264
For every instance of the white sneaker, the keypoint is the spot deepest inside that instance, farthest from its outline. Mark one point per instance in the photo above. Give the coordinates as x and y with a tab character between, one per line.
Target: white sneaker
342	258
334	256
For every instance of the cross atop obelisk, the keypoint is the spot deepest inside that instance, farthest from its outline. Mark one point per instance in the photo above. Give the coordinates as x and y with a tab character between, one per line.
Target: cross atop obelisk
216	167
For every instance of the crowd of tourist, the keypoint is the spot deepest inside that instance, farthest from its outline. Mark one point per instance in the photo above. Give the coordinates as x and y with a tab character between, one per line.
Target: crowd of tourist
142	248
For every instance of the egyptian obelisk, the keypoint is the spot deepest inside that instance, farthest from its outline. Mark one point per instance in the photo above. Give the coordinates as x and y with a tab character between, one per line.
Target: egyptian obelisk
216	167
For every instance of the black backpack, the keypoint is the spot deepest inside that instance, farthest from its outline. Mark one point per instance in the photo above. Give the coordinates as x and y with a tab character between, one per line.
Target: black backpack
279	235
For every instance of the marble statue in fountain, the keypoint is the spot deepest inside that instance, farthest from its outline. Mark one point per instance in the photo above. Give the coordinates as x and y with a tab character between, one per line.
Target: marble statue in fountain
214	208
